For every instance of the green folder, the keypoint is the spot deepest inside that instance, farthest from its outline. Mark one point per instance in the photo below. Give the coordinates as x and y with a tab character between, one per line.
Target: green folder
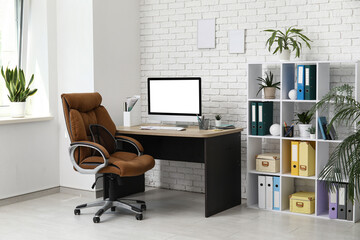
265	117
310	82
254	118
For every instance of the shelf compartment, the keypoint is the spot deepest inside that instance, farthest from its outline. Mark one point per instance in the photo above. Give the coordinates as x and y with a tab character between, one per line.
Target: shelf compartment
264	173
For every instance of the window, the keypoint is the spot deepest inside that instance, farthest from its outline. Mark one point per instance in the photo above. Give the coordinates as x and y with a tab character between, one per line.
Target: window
10	39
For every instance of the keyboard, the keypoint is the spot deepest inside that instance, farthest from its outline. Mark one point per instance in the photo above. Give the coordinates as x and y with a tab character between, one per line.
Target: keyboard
162	128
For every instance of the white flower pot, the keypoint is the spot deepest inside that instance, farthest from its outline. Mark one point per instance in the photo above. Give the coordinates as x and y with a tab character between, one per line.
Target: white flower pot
284	55
17	109
303	128
217	123
312	136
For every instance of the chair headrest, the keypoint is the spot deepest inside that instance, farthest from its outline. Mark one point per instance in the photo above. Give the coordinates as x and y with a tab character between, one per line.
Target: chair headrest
83	102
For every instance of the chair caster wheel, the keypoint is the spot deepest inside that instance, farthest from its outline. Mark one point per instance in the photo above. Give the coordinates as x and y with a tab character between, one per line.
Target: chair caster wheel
96	219
113	209
77	211
143	207
139	217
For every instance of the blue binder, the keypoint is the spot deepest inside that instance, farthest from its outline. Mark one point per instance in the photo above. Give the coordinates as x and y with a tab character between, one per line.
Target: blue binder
301	82
323	129
276	193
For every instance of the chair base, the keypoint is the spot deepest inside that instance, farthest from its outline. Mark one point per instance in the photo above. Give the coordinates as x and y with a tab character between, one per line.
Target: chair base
107	204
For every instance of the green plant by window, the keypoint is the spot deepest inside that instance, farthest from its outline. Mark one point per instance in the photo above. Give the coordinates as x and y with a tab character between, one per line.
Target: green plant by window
344	161
287	40
312	130
304	117
218	117
16	84
267	82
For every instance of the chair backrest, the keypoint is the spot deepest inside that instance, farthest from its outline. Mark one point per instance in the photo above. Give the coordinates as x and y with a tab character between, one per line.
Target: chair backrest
80	111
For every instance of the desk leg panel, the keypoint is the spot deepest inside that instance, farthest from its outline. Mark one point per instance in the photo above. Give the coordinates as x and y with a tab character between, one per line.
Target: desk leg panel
222	173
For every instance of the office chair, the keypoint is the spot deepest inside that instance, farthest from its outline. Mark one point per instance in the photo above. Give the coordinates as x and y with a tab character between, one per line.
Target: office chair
95	148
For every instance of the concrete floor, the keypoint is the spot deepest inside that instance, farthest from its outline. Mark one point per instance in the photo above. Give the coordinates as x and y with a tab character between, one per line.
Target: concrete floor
170	215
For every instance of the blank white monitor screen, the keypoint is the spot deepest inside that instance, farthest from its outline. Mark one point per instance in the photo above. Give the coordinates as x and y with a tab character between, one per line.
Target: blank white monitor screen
174	96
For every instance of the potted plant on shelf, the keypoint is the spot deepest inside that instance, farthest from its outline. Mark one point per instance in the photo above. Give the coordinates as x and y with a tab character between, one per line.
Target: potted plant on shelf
312	131
303	120
268	85
286	40
218	120
18	91
344	161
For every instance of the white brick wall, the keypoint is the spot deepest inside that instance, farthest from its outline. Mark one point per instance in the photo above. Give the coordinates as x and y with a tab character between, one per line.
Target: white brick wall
169	48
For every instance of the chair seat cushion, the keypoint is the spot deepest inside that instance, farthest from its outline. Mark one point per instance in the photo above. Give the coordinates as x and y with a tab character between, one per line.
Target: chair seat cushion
124	164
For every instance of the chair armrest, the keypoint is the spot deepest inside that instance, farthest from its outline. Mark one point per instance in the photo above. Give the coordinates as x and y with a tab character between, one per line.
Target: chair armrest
132	141
103	152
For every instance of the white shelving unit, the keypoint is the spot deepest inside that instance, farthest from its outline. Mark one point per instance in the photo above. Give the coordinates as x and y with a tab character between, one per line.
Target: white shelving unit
289	184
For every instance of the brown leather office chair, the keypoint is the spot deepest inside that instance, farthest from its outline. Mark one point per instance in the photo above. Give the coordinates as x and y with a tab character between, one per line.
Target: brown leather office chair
95	149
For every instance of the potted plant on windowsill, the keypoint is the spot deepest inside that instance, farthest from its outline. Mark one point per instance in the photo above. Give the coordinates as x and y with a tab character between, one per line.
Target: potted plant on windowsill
303	121
18	91
268	85
285	41
218	120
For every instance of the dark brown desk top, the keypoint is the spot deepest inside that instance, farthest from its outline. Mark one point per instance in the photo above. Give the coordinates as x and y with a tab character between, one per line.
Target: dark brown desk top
191	132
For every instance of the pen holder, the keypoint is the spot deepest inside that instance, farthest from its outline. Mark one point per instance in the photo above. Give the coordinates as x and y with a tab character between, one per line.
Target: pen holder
289	131
204	124
127	119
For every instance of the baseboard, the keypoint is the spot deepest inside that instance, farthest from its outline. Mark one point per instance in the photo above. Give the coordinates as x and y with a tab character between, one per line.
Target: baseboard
29	196
80	192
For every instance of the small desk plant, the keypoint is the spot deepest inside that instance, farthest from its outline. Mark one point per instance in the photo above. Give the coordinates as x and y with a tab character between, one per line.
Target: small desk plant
304	121
218	120
286	40
268	85
18	91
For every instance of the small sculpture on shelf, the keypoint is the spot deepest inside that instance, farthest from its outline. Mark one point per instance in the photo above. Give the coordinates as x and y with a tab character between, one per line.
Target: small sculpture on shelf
292	94
268	85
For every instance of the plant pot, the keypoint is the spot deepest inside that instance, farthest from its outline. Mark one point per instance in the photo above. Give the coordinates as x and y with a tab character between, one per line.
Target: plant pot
303	128
269	92
217	123
312	136
284	55
17	109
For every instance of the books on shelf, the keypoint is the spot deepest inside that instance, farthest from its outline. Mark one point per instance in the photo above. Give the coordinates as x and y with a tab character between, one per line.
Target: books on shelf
327	132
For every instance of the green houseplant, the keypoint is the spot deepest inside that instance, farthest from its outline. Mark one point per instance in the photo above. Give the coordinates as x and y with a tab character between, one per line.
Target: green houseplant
218	120
312	131
290	38
18	91
344	161
268	85
303	120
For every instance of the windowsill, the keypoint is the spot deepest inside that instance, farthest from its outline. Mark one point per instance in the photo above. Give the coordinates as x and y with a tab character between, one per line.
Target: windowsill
26	119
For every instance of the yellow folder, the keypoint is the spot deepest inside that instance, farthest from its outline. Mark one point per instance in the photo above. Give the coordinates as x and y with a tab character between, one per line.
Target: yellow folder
295	158
306	159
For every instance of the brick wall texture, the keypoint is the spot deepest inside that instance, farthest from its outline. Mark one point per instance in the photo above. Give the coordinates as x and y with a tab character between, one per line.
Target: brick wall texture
169	49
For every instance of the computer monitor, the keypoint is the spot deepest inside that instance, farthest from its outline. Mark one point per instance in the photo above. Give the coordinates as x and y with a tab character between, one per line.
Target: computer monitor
174	99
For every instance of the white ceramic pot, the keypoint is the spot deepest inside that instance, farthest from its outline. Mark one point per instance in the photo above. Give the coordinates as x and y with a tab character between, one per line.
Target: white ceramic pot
17	109
312	136
284	55
303	128
217	123
269	92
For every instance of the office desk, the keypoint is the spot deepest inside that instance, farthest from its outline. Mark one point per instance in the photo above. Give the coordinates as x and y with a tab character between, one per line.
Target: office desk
219	150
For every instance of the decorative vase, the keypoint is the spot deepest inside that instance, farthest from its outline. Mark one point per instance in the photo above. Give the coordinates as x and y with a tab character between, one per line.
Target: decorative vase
269	92
303	128
312	136
217	123
284	55
17	109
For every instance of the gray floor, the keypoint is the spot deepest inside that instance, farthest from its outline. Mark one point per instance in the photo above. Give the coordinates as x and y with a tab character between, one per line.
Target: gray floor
170	215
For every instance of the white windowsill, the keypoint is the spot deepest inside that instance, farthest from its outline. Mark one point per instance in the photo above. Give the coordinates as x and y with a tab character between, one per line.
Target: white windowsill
26	119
